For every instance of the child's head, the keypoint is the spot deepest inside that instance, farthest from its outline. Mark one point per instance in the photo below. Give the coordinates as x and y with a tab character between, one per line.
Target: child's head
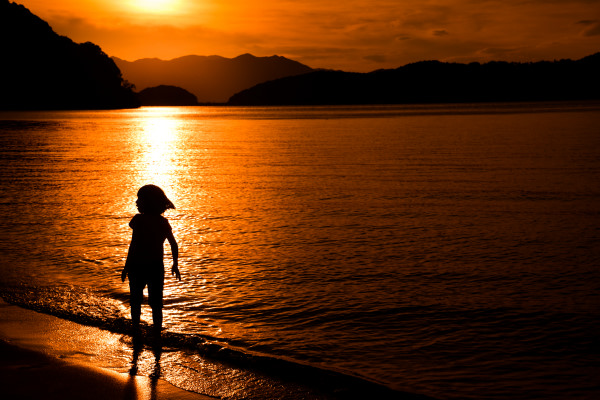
152	200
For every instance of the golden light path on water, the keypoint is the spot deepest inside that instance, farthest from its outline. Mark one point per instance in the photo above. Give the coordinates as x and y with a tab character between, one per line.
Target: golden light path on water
158	137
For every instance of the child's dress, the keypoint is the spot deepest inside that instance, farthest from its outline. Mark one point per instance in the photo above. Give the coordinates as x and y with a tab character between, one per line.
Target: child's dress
144	263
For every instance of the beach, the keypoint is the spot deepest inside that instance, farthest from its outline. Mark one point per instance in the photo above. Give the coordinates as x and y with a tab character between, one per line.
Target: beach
28	374
44	356
36	364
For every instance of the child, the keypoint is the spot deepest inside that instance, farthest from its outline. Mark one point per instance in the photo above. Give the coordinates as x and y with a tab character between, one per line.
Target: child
144	264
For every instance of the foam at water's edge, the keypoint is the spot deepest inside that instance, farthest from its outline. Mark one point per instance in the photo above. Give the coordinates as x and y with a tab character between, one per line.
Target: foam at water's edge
332	384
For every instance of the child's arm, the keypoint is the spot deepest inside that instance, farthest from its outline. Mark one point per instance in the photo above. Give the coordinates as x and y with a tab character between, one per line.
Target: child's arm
175	253
125	269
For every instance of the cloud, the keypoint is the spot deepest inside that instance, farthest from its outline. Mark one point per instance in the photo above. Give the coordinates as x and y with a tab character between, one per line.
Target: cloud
427	16
355	35
378	58
497	52
592	27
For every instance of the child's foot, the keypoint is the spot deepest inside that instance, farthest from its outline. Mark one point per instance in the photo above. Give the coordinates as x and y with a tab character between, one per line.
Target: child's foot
136	331
156	332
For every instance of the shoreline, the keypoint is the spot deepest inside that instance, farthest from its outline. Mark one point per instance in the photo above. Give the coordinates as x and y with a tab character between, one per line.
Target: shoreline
29	374
59	354
37	363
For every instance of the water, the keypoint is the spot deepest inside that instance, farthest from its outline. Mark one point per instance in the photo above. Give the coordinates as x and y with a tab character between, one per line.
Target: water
447	250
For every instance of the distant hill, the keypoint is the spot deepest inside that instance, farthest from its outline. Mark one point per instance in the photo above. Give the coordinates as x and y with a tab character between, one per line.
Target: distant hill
435	82
42	70
211	78
164	95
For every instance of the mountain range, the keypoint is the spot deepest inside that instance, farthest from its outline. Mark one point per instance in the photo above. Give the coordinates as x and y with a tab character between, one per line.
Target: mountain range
212	79
43	70
435	82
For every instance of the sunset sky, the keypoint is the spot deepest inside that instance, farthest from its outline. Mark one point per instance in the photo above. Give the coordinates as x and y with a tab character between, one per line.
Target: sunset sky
353	35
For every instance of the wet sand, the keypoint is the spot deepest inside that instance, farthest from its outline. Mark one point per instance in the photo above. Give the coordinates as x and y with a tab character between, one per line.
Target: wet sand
28	374
44	357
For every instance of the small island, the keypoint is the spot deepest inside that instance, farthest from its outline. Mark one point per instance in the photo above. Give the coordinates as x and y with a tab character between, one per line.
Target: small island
165	95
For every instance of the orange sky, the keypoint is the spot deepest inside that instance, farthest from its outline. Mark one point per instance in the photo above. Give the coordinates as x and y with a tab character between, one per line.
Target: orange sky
353	35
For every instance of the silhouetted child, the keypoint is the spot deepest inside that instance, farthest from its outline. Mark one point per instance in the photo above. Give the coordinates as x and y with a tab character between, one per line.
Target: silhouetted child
144	264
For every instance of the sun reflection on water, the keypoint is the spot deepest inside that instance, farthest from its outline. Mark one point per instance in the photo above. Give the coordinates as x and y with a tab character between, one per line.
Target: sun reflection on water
158	142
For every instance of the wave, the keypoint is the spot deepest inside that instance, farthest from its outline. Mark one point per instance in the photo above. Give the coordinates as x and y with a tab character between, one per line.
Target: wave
92	309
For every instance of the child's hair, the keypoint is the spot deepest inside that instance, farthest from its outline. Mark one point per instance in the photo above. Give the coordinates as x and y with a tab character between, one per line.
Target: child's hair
152	200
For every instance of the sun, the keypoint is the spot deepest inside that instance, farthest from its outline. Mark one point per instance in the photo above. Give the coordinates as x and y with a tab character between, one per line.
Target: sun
157	6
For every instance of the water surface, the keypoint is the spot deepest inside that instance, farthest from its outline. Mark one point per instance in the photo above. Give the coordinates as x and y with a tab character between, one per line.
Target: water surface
449	250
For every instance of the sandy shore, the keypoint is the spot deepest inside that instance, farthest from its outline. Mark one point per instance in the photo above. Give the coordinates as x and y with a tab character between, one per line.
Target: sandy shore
28	374
43	357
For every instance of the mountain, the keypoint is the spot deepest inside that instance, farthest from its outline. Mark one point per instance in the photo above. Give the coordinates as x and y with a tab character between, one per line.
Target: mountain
213	79
42	70
435	82
167	96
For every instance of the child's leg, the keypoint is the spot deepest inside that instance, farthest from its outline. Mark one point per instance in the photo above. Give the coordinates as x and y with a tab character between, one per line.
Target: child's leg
136	312
136	297
155	298
157	318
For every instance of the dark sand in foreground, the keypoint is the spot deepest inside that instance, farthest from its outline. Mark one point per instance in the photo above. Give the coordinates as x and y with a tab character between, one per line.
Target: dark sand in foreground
28	374
44	357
